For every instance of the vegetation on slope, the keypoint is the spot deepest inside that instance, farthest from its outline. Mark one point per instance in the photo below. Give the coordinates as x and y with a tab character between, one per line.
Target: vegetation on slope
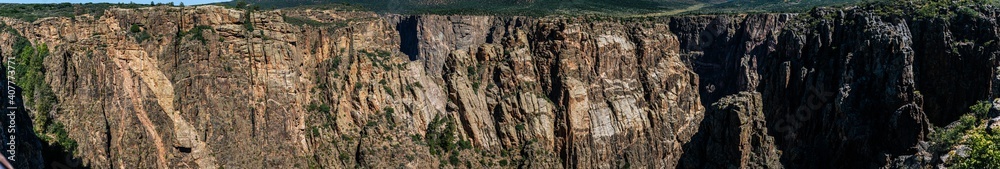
38	96
969	141
930	9
765	6
554	7
32	12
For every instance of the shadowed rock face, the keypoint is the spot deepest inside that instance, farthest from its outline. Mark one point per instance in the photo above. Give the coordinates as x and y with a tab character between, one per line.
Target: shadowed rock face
829	88
849	90
17	130
724	50
733	135
845	87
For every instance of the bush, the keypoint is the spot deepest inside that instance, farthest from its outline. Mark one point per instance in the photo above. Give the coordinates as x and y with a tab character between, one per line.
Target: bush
299	21
471	70
318	107
389	91
196	33
945	138
247	23
465	144
324	108
38	95
60	136
984	152
135	28
969	130
388	111
475	87
980	109
441	135
334	63
344	156
453	159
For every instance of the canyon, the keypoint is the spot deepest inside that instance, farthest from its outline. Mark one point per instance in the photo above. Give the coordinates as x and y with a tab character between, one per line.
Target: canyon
215	87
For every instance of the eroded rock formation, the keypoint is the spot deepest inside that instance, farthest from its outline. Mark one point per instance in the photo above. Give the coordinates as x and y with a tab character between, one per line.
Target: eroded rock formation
211	87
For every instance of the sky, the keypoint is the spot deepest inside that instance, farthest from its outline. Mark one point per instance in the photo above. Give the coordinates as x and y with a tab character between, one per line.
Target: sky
186	2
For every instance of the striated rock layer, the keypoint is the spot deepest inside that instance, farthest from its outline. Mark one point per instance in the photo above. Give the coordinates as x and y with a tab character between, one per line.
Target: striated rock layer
207	89
210	87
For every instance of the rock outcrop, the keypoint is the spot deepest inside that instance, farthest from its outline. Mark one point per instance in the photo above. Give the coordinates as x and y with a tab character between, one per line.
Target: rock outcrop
733	135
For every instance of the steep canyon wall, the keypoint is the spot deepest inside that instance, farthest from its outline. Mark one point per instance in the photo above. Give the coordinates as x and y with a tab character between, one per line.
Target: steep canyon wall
211	87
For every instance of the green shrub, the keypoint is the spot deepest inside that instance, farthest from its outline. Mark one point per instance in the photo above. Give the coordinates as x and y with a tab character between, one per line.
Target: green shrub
980	109
358	86
388	111
196	33
969	130
471	70
389	91
465	144
441	135
318	107
453	159
334	63
38	95
141	36
60	136
968	11
475	87
135	28
344	156
312	107
945	138
324	108
247	23
984	152
298	21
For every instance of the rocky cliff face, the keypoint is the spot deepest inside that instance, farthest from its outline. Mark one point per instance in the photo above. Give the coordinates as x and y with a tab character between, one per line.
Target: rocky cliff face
734	135
853	77
842	87
210	87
